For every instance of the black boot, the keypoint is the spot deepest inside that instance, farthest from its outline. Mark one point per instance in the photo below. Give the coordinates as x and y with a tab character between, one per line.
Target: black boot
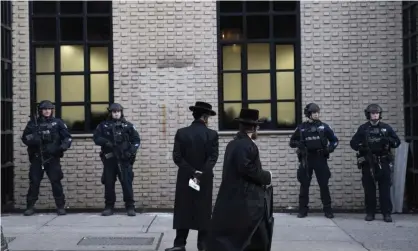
369	217
387	218
30	210
61	211
302	214
130	211
107	211
328	213
201	246
176	249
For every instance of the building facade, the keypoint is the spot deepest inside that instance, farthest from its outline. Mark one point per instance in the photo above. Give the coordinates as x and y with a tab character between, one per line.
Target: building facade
158	58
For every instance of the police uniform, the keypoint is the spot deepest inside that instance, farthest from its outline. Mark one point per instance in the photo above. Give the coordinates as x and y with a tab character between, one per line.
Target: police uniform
119	141
47	138
373	141
317	140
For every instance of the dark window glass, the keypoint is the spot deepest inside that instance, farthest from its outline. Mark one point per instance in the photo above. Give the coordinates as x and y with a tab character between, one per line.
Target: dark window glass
44	29
44	7
71	7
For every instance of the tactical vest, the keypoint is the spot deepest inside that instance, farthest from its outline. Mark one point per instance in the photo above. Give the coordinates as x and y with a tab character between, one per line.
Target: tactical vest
314	136
49	132
375	136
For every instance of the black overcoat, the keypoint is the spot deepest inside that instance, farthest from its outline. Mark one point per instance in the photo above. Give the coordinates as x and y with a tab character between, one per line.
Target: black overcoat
240	205
195	148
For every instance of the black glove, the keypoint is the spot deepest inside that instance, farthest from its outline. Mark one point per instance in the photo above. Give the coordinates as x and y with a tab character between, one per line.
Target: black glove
363	148
108	144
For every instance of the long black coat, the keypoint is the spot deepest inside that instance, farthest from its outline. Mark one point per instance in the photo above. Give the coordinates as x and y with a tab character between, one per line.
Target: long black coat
195	148
240	205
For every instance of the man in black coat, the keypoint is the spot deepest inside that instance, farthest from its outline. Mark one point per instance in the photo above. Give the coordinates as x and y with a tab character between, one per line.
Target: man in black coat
239	219
195	153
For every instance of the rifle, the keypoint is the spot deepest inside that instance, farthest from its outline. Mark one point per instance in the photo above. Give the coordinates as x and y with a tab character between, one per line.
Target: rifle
35	119
369	157
303	154
117	138
121	144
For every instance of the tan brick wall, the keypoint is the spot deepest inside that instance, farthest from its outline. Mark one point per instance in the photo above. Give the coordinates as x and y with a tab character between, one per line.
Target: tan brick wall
165	59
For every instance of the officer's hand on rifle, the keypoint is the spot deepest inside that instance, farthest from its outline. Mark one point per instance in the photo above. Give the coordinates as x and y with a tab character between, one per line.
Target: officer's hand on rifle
363	148
109	144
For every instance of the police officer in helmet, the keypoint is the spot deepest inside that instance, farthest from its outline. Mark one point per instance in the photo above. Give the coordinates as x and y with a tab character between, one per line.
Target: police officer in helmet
374	141
47	138
119	141
315	141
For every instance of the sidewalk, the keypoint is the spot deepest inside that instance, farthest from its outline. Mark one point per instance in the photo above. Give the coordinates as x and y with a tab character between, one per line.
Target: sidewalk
153	231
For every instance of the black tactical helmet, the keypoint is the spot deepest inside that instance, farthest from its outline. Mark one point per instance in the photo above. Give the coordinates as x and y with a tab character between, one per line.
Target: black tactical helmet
115	107
310	108
45	104
373	108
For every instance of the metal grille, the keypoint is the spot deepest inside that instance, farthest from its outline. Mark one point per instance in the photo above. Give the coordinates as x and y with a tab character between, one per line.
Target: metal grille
116	241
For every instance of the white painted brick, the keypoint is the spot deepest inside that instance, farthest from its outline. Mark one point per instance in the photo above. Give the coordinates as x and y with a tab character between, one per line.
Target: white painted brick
165	56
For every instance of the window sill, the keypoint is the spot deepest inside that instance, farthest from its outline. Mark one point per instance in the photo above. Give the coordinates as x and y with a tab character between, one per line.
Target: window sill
221	133
282	132
82	135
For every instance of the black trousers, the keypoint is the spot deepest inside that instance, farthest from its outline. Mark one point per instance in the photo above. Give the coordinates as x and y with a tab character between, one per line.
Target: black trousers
182	234
55	175
125	174
317	163
383	178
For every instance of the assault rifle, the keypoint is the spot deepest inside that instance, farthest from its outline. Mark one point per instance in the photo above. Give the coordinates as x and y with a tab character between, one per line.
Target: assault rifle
121	145
303	154
368	157
35	120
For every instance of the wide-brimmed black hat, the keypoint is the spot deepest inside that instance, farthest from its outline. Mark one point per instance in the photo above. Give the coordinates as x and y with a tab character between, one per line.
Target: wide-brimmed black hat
249	116
202	106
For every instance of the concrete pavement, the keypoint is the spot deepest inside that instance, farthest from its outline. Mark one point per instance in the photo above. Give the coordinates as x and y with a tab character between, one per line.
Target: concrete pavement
153	231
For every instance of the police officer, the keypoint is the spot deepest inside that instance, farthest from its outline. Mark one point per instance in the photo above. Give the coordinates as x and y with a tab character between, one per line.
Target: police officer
119	141
315	140
47	138
373	141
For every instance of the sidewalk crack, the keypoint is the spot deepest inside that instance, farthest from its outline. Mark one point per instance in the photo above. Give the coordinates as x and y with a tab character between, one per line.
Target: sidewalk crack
152	221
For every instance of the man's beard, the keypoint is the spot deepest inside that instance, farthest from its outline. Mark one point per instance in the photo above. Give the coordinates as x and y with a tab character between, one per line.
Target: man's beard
254	136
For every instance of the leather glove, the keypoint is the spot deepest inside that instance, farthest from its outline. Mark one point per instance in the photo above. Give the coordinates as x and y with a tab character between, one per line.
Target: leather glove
363	148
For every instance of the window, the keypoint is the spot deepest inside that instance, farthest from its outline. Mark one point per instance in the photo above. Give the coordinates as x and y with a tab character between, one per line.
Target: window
71	60
7	172
259	62
6	85
410	69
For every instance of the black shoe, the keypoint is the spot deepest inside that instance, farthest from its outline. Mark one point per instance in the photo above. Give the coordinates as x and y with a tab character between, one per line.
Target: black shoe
201	246
130	211
302	214
369	217
329	215
29	211
61	211
176	249
107	211
387	218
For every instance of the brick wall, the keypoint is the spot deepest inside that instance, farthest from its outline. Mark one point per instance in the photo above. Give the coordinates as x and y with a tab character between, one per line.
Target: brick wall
165	60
